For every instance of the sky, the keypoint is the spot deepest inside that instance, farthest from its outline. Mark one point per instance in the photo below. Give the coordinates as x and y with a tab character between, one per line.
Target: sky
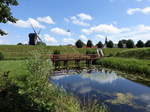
63	22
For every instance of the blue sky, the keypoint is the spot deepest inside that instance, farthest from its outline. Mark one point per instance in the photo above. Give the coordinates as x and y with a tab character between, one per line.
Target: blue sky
86	19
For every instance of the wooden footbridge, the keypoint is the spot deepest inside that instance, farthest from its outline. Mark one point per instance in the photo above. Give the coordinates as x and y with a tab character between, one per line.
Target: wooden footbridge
77	58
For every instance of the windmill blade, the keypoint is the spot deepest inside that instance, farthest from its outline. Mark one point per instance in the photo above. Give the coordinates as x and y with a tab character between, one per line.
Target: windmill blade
39	32
39	38
33	28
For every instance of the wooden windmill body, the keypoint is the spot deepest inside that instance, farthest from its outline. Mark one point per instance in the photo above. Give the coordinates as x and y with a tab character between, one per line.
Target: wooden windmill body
34	37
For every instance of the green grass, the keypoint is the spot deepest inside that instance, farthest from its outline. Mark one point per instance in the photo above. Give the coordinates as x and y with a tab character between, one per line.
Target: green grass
16	52
126	65
140	53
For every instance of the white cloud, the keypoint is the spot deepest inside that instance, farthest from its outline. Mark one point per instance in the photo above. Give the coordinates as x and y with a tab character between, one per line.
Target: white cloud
83	37
68	41
132	11
80	19
47	20
84	16
27	23
103	28
50	39
78	22
60	31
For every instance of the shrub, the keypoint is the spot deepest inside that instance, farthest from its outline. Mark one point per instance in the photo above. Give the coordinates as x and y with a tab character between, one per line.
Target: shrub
19	44
1	56
56	52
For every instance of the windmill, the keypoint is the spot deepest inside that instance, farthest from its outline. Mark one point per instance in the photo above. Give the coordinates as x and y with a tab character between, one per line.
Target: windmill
34	38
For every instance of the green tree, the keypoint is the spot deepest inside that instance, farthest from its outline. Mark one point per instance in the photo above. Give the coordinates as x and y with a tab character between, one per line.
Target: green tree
147	44
89	43
99	44
110	44
120	44
130	44
79	44
140	44
5	12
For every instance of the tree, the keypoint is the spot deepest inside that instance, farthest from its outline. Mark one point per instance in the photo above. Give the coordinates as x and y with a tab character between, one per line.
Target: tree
147	44
120	44
5	12
140	44
130	44
100	44
110	44
79	44
89	43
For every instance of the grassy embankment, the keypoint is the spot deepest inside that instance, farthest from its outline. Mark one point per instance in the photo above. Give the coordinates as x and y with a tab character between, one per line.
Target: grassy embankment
131	61
14	52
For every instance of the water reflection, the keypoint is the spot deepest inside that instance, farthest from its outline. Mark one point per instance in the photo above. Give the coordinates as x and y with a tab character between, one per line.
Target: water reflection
115	91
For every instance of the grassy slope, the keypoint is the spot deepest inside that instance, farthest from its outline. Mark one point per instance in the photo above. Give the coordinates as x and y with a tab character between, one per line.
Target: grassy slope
126	65
15	52
140	53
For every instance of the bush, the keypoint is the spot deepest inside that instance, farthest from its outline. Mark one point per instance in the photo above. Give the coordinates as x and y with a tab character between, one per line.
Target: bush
41	43
56	52
19	44
1	56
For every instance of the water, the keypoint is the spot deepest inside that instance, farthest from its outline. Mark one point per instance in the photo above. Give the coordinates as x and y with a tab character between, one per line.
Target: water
117	93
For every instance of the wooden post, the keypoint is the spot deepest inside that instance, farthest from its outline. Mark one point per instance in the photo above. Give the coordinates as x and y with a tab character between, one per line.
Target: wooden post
66	63
77	63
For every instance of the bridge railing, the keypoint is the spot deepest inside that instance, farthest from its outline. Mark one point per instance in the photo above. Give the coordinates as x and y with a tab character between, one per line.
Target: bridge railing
61	57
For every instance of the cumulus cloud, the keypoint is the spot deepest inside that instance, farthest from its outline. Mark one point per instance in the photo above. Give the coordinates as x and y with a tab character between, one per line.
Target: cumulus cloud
47	20
27	23
80	19
68	40
78	22
138	32
84	16
83	37
103	28
60	31
132	11
50	39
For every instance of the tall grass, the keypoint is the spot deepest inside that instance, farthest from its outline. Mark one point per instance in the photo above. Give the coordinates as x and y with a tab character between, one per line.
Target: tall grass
126	65
141	53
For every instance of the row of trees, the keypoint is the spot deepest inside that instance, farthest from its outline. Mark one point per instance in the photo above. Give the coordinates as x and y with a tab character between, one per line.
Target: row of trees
110	44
